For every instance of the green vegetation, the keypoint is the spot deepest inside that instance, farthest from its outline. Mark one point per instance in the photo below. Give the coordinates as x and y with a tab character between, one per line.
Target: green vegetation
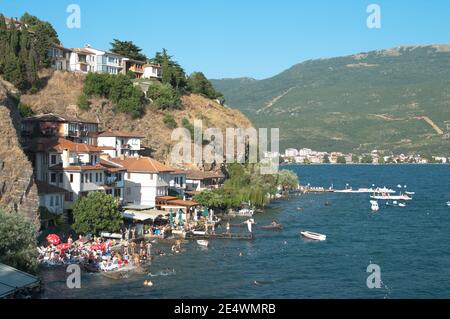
24	110
172	72
169	121
95	213
187	125
326	159
128	49
119	88
23	52
199	84
247	184
354	103
18	242
367	159
164	96
83	102
341	160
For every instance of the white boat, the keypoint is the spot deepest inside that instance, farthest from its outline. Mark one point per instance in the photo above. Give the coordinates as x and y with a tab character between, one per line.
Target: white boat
410	193
391	197
245	212
448	204
374	205
402	205
203	243
315	236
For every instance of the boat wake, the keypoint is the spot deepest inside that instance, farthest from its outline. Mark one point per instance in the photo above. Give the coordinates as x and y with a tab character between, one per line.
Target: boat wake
167	272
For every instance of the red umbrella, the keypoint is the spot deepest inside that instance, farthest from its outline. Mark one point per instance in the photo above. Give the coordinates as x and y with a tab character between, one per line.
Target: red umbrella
98	247
53	239
63	246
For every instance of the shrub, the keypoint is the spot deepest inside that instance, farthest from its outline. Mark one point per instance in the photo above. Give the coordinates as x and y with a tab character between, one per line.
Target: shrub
25	110
164	96
169	121
83	102
186	124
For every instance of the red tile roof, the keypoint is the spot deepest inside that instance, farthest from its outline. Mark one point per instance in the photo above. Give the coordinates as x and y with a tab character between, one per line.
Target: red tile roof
60	144
142	165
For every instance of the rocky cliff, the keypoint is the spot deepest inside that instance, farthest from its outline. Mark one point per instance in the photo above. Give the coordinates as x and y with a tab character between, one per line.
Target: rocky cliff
62	89
18	192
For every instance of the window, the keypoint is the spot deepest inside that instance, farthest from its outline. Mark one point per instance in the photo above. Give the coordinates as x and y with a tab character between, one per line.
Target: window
129	175
57	200
151	176
96	177
90	178
128	190
51	201
82	177
52	178
60	178
71	178
101	177
69	197
118	177
53	159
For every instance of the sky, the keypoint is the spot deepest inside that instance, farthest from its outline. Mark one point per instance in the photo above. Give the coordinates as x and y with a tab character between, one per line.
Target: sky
238	38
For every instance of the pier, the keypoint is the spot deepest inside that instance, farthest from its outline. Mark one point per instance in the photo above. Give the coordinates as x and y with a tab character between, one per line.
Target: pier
220	236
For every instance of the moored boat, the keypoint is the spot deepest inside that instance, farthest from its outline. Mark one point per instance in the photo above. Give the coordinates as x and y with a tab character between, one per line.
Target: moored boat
314	236
203	243
374	206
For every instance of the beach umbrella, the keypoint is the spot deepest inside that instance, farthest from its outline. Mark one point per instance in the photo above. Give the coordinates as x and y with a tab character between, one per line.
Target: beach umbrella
205	212
180	217
53	239
101	247
63	246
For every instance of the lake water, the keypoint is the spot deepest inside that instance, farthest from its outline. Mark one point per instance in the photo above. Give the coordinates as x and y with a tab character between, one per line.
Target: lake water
411	245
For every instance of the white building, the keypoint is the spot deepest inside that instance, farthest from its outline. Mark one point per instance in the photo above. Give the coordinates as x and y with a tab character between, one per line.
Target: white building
145	179
290	152
304	152
76	168
51	197
152	71
119	143
88	59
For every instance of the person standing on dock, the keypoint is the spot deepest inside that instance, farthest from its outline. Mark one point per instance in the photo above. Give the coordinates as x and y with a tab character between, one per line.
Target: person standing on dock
228	227
249	223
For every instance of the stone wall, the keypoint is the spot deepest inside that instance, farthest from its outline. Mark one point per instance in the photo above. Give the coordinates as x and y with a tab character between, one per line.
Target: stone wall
18	192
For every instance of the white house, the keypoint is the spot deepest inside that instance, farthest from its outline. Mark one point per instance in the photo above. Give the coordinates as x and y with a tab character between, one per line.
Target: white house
88	59
152	71
145	179
51	197
290	152
199	180
59	57
76	168
119	143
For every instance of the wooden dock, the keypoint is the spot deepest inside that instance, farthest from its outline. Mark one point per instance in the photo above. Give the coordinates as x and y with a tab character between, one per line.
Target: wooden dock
235	236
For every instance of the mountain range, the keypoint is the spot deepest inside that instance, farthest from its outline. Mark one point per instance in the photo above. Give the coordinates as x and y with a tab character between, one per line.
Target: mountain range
394	100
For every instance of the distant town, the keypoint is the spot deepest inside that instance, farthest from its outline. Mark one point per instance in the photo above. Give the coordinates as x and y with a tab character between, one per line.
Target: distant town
309	156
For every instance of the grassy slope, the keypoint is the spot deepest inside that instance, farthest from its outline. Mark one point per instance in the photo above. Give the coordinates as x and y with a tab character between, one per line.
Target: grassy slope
335	104
61	92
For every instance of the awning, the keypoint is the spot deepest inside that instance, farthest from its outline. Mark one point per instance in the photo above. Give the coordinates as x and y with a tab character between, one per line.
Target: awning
143	215
12	279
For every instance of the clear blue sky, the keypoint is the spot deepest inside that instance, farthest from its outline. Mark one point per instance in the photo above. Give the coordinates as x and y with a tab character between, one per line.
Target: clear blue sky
234	38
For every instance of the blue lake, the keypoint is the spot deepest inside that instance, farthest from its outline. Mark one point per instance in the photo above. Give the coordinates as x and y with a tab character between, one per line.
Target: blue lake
410	245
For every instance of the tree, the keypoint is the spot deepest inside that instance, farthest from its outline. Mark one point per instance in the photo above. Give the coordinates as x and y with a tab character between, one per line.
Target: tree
341	160
128	49
95	213
326	159
172	72
199	84
355	158
164	96
169	121
18	242
367	159
287	179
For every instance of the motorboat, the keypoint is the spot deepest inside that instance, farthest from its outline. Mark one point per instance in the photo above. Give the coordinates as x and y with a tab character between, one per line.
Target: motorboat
401	204
314	236
374	206
203	243
448	204
391	197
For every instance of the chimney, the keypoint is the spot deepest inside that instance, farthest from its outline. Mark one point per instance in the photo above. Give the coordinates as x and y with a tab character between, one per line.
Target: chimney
65	158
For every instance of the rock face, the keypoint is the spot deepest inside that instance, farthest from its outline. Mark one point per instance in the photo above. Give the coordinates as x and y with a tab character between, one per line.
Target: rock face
60	96
18	192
